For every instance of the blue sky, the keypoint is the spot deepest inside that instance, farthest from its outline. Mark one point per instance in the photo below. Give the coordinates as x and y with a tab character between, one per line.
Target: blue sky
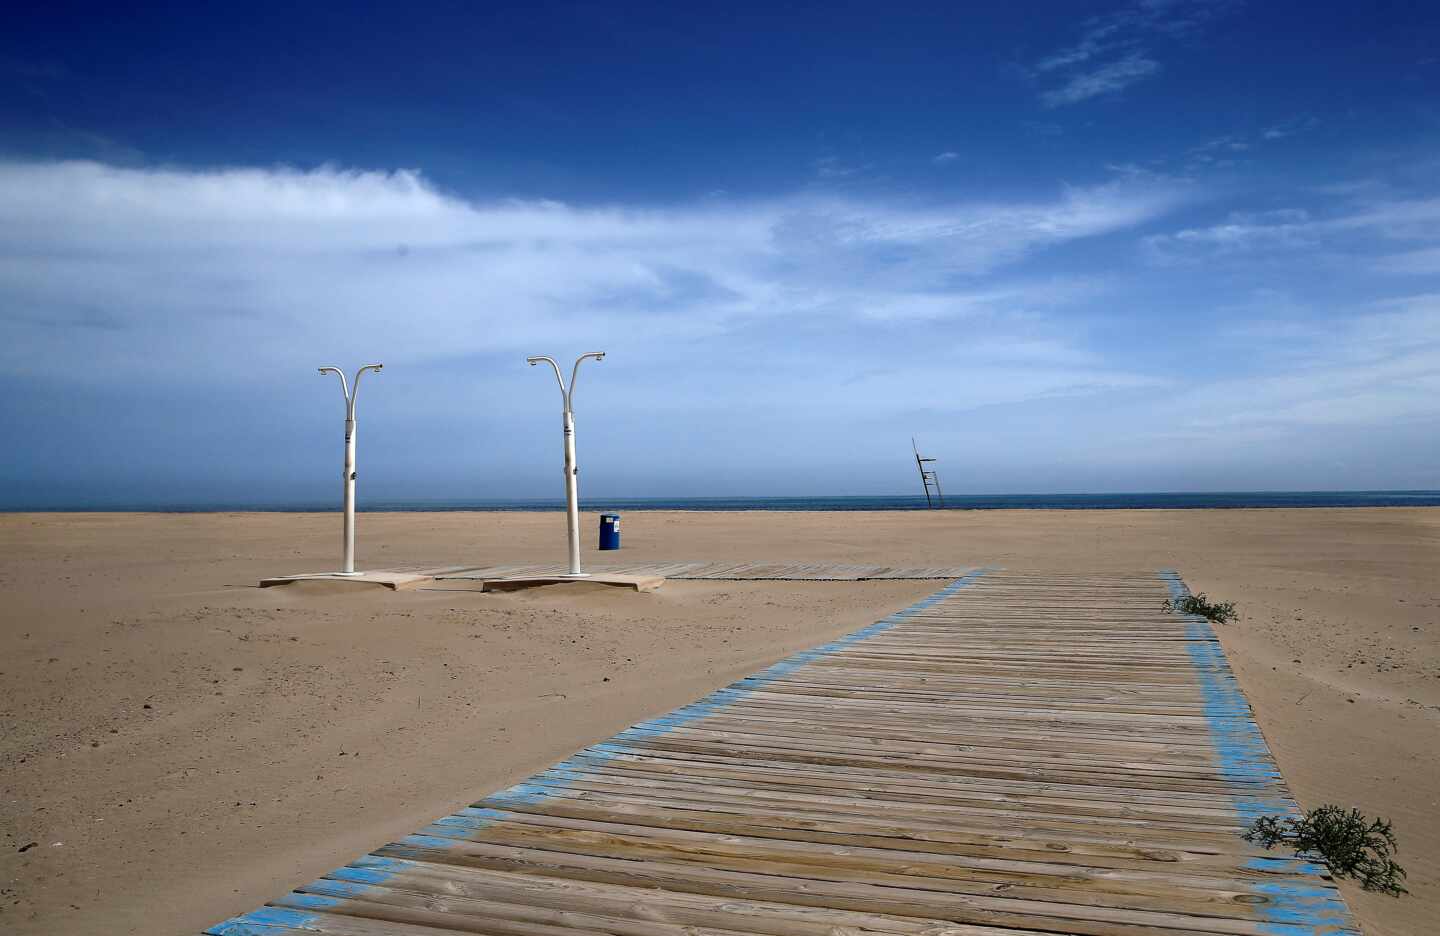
1160	245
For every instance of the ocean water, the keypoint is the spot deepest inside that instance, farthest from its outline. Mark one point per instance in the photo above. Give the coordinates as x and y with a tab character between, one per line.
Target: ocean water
1223	499
1118	501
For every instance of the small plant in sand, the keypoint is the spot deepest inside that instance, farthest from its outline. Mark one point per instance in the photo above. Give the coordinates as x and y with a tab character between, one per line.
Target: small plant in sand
1351	844
1220	611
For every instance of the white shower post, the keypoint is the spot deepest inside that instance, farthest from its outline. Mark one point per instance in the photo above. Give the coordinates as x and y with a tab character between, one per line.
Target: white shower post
572	493
349	390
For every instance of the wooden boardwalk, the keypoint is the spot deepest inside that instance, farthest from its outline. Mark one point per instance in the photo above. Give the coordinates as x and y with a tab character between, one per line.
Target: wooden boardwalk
726	571
1018	754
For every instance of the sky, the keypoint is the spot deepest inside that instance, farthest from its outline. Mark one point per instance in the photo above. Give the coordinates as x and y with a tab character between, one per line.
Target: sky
1162	245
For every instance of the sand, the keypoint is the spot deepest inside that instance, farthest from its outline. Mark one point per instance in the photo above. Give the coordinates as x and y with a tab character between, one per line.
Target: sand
181	745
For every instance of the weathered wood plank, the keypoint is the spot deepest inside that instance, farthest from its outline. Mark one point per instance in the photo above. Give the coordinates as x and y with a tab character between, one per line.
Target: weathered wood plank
724	571
1020	753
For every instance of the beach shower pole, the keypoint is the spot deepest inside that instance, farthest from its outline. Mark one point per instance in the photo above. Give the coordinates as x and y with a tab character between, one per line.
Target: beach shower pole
572	493
349	390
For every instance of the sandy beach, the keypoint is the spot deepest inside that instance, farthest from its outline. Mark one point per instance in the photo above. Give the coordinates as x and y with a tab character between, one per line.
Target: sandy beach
177	745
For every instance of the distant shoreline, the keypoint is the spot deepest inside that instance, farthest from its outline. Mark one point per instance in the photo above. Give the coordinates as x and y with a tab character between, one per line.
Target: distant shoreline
1216	500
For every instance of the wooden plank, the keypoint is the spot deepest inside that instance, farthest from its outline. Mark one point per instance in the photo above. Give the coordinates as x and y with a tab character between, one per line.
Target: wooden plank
795	887
1020	753
427	882
747	571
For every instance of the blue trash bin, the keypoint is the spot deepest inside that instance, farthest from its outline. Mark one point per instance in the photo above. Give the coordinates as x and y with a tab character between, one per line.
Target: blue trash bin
609	531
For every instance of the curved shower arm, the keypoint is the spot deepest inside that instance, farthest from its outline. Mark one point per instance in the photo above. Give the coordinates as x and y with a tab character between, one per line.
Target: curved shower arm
564	393
355	384
575	374
344	385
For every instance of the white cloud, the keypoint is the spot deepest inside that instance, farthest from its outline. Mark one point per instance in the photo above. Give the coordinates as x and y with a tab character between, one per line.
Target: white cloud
832	168
997	373
1379	366
1293	229
1097	40
1407	219
798	324
1225	144
1107	79
1114	50
1289	128
1230	149
1241	233
1417	262
235	270
1015	301
948	156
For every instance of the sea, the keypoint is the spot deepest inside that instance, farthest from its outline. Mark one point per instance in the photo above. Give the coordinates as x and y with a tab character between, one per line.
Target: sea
1235	500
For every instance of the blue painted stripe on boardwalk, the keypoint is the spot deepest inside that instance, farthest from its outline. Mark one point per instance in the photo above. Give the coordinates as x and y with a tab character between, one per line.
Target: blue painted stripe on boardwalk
425	841
352	880
1240	748
1245	761
309	901
370	869
267	921
1286	866
349	890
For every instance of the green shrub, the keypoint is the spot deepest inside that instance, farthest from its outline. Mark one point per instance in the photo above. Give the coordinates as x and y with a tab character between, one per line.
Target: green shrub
1351	844
1221	611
